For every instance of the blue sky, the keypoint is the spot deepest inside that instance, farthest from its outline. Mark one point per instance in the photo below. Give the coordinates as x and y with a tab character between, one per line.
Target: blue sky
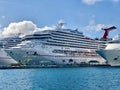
86	15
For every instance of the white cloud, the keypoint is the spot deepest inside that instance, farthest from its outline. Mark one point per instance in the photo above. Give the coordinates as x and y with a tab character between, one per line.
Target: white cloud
116	37
22	28
116	1
27	27
3	17
44	28
90	2
58	26
93	26
0	25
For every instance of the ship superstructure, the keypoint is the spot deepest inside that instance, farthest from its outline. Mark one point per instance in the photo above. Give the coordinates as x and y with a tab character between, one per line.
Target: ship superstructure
59	46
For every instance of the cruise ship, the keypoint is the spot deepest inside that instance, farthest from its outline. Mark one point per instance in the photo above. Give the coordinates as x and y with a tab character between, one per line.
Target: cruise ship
57	46
5	59
111	53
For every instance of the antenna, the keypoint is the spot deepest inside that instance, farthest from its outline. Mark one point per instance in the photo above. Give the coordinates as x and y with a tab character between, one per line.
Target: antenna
60	24
107	31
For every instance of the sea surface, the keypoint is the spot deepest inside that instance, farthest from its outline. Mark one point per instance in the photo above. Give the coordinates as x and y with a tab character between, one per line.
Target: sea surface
82	78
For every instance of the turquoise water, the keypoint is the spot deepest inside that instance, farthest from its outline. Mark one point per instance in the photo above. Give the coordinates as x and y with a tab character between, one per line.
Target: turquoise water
83	78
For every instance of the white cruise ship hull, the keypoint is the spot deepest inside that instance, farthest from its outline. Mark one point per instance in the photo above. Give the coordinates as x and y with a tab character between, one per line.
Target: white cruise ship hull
57	46
39	55
5	59
112	56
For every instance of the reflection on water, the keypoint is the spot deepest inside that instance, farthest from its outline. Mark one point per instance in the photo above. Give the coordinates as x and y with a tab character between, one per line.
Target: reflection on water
84	78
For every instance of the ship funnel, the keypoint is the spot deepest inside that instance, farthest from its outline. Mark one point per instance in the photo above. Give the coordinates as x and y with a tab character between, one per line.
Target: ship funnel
105	35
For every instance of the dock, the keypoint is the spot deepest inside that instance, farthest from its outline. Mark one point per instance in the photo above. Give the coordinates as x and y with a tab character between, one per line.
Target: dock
53	66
